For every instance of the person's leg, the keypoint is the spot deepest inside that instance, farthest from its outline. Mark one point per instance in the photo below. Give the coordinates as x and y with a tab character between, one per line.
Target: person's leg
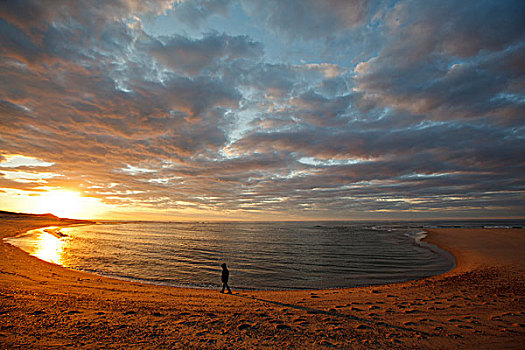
229	290
223	285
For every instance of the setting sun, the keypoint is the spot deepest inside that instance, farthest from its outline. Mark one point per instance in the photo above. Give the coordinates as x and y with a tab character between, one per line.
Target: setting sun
65	203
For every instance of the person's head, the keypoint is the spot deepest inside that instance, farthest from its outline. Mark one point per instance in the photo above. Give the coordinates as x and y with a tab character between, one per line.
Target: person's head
223	266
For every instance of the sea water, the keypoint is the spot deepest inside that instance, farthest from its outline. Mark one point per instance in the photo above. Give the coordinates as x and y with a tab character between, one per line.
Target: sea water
285	255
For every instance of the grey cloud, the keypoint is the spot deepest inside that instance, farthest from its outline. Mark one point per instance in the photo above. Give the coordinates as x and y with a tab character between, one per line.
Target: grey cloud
192	97
461	90
277	80
319	110
467	145
34	16
457	28
191	56
17	44
442	63
309	19
195	12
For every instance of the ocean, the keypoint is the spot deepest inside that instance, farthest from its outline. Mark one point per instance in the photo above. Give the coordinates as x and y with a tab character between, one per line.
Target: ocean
269	256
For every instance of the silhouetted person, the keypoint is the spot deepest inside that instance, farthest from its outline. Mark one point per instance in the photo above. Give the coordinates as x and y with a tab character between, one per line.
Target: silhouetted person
224	278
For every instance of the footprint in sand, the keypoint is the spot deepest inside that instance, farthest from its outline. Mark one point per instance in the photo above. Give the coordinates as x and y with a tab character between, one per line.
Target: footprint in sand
464	326
392	335
411	311
282	326
363	326
244	326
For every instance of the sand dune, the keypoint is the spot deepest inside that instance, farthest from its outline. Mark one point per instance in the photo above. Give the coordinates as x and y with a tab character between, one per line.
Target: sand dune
480	304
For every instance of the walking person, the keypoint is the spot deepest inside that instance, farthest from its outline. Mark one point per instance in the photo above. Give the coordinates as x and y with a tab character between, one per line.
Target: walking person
224	278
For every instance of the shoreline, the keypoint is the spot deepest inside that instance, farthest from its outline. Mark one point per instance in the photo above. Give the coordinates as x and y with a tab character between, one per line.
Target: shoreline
416	237
479	303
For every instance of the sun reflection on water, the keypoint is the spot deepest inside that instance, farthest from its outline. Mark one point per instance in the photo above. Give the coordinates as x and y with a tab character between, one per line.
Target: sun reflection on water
49	248
47	244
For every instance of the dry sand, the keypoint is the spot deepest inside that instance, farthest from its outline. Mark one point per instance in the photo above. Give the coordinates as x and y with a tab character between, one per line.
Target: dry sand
480	304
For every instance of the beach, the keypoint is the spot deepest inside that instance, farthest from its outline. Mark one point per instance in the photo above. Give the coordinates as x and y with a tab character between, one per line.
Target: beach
479	304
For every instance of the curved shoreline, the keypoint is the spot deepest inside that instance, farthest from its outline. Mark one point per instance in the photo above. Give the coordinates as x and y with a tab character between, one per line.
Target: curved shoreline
480	304
438	250
55	230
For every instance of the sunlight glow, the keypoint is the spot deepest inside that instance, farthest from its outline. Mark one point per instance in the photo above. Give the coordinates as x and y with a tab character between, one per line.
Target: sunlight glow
67	204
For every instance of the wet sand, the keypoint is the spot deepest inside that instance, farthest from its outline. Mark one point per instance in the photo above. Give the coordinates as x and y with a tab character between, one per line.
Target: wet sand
479	304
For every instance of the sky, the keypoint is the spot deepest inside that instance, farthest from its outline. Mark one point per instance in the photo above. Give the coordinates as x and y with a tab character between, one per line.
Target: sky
263	109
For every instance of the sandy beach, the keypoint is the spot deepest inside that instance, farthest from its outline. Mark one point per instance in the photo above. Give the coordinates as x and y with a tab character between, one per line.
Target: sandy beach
479	304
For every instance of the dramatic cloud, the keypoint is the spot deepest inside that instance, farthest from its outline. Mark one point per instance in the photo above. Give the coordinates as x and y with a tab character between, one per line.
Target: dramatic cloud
448	60
266	109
